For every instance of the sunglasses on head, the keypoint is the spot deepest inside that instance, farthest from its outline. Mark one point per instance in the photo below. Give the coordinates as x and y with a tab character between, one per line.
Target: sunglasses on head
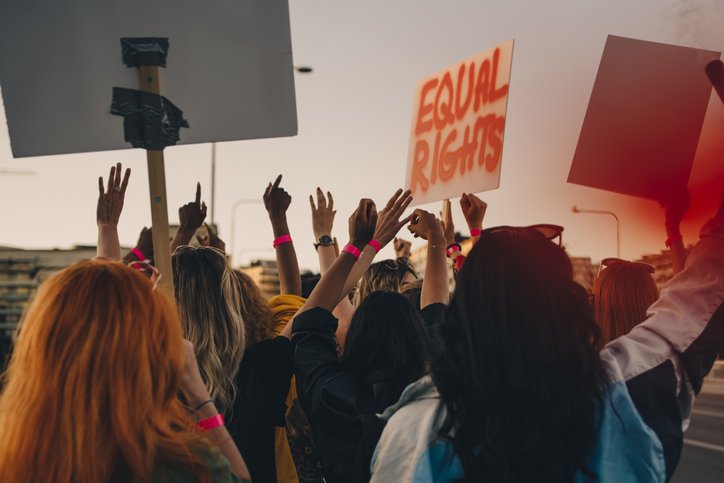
188	248
549	231
607	262
401	261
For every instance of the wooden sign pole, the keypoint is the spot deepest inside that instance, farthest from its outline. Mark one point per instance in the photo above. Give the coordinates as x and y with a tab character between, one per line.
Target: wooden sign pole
157	189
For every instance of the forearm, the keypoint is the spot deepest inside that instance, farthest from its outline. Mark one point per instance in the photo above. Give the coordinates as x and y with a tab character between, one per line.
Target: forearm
327	256
183	237
290	281
359	269
221	438
108	244
328	291
436	286
344	312
678	252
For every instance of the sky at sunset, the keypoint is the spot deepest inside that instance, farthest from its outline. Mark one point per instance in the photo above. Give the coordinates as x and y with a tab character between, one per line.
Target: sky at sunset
354	114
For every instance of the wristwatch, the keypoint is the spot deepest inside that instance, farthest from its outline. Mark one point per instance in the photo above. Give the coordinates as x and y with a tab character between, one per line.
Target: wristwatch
324	240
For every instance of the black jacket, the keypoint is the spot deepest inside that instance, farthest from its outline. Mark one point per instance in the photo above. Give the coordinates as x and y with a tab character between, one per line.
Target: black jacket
340	404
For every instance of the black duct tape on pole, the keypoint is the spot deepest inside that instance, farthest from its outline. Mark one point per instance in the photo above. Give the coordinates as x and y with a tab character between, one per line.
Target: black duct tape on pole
150	121
138	51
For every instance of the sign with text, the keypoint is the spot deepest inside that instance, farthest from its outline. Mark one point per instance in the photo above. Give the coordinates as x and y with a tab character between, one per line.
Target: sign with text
644	118
458	122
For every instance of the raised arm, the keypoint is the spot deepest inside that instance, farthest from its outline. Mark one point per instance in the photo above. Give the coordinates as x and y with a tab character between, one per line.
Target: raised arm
211	239
474	211
676	210
389	224
328	291
191	216
143	249
276	202
452	249
108	212
322	223
435	286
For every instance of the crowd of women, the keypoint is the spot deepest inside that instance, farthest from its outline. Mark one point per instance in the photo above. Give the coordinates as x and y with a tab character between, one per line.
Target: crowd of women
519	375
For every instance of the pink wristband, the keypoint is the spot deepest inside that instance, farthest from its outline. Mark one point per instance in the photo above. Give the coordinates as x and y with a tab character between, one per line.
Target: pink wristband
212	422
353	250
138	253
475	232
282	239
375	244
452	249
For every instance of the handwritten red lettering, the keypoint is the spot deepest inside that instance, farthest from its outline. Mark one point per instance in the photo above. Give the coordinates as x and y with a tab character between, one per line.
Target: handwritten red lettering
444	108
461	110
436	152
425	109
448	163
483	124
496	94
492	160
422	151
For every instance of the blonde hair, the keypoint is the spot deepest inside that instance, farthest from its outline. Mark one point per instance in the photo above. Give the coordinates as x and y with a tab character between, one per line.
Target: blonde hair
209	305
380	277
91	388
621	295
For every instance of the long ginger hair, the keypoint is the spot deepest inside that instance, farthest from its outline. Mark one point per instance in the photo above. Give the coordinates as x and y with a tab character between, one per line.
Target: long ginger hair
622	294
91	389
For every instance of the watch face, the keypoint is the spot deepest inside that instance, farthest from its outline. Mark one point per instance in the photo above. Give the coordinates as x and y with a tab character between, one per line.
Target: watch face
326	240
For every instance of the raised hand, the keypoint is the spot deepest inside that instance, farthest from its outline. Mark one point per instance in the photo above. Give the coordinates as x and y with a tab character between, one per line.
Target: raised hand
362	224
447	222
192	215
276	199
426	226
322	214
388	220
676	208
110	201
402	248
211	239
145	243
474	210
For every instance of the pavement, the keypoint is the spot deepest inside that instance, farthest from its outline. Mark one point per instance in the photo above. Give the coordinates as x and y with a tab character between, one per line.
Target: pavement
702	459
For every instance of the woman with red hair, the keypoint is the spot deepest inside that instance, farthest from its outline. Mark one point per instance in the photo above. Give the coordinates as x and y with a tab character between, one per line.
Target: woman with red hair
91	392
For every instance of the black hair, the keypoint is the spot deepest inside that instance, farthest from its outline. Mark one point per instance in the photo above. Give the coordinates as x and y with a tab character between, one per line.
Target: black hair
386	335
518	372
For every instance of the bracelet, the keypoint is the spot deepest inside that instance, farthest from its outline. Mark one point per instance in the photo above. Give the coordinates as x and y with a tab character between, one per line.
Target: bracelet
458	263
138	253
281	239
475	232
673	239
212	422
376	245
454	247
436	246
353	250
200	405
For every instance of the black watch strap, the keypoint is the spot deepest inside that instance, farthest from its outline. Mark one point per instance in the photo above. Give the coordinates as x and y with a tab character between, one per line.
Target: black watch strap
324	240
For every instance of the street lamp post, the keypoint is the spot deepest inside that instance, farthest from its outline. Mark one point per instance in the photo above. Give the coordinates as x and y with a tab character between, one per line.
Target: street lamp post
576	209
233	218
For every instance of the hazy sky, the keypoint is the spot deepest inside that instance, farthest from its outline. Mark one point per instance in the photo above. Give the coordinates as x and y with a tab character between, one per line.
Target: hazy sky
355	111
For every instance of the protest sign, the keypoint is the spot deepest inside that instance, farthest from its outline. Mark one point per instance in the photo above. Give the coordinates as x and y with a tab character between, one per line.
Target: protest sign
229	70
458	122
644	118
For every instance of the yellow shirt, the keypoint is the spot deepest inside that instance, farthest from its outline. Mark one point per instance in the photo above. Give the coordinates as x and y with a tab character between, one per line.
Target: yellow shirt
283	308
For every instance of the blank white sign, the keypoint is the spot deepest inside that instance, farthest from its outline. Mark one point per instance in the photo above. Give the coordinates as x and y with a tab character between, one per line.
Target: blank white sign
229	69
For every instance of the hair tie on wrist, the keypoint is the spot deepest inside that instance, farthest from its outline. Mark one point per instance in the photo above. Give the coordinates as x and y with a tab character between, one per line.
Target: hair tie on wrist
212	422
376	245
454	247
201	405
673	239
138	253
475	232
281	239
353	250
